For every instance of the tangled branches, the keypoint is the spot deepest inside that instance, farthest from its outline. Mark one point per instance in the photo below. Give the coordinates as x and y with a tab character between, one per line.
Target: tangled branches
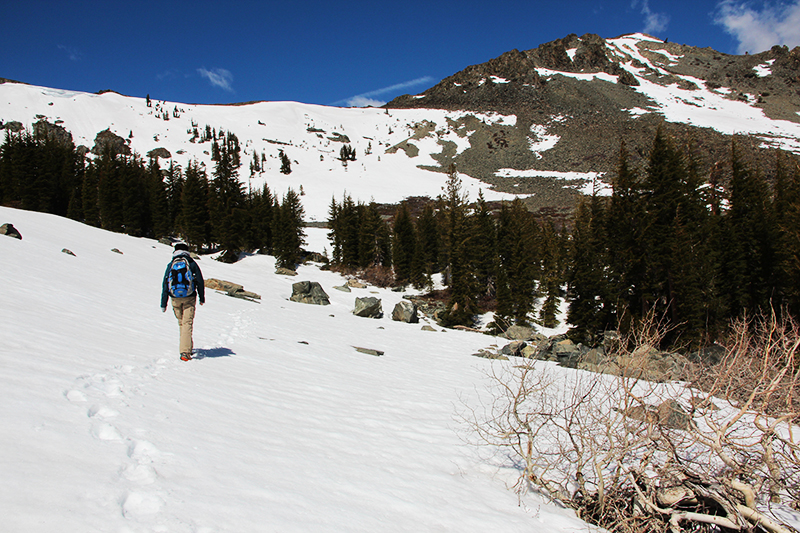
712	454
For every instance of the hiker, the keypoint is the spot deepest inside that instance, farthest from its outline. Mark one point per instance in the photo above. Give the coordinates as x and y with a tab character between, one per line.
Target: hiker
183	282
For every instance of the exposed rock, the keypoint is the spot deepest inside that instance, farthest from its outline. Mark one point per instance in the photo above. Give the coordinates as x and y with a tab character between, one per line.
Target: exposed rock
428	328
672	415
343	288
519	333
488	354
514	348
405	311
669	414
116	251
44	130
368	307
309	292
10	230
107	140
368	351
355	284
160	152
68	252
231	289
283	271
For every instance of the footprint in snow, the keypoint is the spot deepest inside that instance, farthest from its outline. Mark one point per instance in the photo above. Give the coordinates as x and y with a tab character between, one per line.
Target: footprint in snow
101	412
75	396
137	503
105	431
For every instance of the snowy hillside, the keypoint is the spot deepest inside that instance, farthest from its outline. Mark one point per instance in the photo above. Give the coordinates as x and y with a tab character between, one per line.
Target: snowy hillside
278	425
310	135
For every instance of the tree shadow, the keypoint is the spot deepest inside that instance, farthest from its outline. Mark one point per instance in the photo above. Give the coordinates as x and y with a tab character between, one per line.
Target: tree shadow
202	353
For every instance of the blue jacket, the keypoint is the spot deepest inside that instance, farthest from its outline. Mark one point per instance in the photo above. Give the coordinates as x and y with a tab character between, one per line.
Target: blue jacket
199	285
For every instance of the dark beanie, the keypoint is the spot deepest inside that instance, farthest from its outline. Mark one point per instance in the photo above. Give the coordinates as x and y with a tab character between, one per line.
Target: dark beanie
181	246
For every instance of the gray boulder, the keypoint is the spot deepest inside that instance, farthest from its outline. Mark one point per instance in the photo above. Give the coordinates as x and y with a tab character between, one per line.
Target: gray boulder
405	311
108	140
10	230
368	307
518	333
309	292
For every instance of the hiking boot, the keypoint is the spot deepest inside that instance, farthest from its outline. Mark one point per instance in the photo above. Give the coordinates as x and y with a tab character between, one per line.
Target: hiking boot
186	356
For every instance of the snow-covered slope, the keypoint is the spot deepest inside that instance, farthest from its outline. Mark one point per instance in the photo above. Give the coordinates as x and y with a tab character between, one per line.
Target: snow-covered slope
310	135
279	425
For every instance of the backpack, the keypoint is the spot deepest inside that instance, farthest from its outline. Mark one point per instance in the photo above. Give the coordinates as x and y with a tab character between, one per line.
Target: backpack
180	280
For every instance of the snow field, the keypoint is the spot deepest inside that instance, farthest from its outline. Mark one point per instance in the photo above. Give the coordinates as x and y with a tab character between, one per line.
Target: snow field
278	425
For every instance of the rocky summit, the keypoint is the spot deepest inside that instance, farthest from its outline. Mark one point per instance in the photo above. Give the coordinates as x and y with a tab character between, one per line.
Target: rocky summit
577	98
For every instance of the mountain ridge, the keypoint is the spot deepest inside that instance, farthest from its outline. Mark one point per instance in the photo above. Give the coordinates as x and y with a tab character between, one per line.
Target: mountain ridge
544	124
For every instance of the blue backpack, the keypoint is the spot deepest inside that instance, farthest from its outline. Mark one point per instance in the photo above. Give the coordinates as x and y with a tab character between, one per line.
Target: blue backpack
180	281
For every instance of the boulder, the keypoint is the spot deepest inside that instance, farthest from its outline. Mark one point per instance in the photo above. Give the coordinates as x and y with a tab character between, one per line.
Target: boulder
107	140
368	351
514	348
116	251
231	289
405	311
355	284
9	230
343	288
428	328
672	415
518	333
159	152
68	252
368	307
283	271
309	292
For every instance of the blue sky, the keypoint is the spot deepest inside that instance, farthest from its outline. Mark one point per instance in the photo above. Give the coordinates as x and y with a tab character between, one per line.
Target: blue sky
335	53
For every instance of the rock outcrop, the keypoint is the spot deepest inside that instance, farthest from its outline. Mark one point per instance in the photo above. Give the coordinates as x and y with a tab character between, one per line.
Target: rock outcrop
309	292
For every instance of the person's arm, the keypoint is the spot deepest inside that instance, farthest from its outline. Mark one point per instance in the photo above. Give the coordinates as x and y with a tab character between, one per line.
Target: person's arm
165	289
199	283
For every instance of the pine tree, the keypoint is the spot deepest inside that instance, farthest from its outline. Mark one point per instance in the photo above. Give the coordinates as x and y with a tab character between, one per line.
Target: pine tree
786	206
288	233
483	249
286	164
549	247
461	306
194	216
429	242
404	246
748	259
590	311
517	261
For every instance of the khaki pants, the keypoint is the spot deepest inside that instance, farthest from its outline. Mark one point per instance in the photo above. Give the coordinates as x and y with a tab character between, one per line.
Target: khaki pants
184	312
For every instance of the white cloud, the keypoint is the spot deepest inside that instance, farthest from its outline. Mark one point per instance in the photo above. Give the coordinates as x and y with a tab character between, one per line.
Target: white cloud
218	77
363	99
73	53
653	22
759	30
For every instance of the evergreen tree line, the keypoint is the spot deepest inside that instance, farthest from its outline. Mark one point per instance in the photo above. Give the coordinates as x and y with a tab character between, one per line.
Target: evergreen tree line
491	261
124	194
674	246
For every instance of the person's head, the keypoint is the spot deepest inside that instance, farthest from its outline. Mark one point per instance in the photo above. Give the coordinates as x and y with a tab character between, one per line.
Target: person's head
181	246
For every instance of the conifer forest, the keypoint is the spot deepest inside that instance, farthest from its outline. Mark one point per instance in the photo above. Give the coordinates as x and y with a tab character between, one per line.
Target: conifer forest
694	247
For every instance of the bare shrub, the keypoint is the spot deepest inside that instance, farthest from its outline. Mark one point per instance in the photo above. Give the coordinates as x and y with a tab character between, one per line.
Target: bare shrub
635	456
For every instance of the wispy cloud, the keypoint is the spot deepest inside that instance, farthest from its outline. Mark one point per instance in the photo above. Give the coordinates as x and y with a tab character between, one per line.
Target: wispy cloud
653	22
73	53
760	29
368	98
218	77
